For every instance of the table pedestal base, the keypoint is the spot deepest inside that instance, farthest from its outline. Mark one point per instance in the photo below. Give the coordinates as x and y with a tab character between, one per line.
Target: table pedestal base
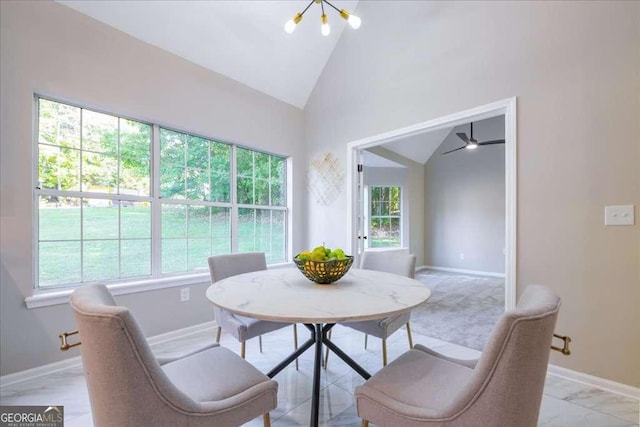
318	337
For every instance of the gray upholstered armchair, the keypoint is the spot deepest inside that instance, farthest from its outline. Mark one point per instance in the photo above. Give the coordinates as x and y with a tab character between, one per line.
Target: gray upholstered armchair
241	327
502	388
396	261
128	386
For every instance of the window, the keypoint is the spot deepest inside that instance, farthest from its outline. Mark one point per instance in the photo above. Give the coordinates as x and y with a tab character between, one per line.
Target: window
384	223
195	191
261	200
100	202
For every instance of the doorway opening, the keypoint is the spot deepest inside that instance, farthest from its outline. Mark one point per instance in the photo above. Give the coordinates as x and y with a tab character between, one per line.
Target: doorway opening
355	184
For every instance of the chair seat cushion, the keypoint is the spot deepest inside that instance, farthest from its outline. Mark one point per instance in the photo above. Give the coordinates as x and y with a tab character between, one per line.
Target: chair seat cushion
417	384
380	328
244	328
215	374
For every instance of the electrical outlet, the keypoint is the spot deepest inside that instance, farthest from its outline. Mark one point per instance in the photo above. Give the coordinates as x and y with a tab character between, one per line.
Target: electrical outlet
619	215
185	294
461	256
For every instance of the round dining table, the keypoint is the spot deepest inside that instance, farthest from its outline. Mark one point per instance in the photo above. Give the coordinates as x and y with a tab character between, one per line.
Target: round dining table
285	295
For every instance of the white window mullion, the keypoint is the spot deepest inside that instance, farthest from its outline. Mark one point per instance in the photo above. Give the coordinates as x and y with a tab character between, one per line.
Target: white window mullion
156	206
118	163
234	199
80	180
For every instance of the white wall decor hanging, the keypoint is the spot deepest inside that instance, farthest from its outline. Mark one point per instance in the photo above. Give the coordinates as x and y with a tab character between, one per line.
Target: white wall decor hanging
325	179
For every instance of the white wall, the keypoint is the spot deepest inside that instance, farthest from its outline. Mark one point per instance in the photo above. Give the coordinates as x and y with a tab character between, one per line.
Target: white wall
52	50
465	201
575	70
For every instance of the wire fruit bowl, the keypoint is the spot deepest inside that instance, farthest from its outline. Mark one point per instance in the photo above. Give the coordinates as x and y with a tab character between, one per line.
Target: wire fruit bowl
324	272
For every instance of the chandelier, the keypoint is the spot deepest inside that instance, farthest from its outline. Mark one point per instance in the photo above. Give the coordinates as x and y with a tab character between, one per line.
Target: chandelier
353	20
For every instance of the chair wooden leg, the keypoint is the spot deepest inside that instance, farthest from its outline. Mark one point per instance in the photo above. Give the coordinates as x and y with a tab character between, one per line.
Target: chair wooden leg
365	340
326	354
243	348
260	342
295	340
218	334
267	420
384	352
365	423
409	336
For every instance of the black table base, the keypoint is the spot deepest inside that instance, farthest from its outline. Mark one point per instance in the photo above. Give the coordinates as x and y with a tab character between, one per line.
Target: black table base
318	337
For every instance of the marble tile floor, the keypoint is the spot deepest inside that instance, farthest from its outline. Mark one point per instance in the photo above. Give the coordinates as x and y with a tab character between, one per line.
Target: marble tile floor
565	402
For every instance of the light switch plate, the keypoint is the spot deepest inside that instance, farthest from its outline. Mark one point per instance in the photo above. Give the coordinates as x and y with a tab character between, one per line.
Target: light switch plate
619	215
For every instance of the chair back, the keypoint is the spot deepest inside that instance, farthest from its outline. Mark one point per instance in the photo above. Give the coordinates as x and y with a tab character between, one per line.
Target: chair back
397	261
126	384
223	266
508	380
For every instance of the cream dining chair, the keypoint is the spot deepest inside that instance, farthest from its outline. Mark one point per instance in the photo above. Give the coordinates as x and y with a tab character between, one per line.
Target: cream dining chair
129	387
241	327
397	261
502	388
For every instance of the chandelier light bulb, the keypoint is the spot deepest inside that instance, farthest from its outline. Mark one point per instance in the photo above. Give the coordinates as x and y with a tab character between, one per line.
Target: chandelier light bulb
353	20
325	29
290	26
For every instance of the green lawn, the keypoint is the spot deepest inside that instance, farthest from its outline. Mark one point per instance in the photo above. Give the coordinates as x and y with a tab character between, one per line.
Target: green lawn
117	240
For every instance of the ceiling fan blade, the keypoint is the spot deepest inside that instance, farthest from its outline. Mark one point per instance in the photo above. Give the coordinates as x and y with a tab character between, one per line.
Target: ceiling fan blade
451	151
463	136
497	141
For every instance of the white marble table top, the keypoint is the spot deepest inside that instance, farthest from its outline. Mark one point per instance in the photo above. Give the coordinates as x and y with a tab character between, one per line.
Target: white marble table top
285	295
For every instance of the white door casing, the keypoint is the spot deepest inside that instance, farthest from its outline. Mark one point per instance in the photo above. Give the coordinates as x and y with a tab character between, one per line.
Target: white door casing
506	107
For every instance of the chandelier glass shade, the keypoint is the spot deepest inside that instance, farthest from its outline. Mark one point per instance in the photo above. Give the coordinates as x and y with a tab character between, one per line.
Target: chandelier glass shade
325	29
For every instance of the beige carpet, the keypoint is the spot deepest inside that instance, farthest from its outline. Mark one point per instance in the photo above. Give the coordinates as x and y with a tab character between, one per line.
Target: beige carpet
462	309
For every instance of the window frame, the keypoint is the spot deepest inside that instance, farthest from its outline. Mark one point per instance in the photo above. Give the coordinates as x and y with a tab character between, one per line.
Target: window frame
371	216
47	295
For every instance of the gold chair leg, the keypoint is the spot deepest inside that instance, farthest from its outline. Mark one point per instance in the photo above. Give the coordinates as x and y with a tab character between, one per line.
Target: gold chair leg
384	352
295	340
243	348
365	423
326	354
260	342
365	340
409	336
267	420
218	334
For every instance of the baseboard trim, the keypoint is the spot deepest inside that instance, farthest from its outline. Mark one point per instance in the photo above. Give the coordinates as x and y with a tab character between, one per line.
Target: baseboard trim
76	361
29	374
179	333
461	271
593	381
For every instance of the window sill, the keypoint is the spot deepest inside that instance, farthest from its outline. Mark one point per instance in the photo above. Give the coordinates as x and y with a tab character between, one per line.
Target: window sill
44	298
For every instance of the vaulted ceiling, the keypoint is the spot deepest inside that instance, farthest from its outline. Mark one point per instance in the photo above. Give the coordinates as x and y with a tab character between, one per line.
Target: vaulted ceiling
243	40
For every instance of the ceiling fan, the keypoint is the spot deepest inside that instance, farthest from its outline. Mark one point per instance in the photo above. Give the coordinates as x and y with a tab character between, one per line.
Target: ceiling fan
471	143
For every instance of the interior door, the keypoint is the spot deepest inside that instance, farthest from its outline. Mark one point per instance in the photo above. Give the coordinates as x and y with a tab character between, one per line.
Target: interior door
361	209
